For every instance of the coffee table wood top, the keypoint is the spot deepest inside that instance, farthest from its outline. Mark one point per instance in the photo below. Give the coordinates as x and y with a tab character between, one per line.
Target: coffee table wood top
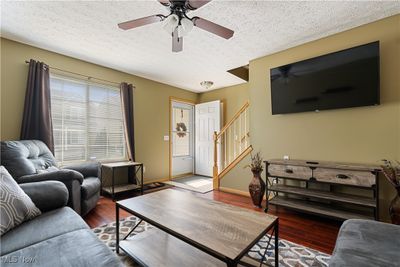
224	230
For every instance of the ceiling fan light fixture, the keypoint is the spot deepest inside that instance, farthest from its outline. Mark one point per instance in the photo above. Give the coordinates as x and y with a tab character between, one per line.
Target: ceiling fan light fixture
185	27
207	84
171	22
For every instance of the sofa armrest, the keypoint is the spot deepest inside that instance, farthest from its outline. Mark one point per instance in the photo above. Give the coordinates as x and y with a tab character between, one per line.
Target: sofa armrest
88	169
61	175
47	195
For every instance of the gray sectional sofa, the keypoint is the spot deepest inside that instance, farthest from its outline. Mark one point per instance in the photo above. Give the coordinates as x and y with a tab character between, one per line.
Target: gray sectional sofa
367	243
58	237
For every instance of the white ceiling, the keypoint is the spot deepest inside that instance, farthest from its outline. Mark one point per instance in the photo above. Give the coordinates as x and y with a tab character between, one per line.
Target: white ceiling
88	30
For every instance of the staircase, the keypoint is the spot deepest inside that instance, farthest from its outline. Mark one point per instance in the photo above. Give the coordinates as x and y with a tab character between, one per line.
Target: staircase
231	144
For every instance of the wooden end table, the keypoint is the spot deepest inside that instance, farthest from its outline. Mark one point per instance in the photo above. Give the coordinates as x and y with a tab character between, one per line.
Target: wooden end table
115	189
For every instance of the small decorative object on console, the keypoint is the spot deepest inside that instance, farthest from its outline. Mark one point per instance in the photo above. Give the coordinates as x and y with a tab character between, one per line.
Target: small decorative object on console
392	173
257	185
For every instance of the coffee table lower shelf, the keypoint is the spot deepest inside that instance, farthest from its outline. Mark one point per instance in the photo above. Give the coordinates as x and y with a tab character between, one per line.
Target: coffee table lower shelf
154	247
174	252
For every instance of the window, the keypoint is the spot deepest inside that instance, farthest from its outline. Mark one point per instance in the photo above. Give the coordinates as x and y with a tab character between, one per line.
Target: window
87	121
182	138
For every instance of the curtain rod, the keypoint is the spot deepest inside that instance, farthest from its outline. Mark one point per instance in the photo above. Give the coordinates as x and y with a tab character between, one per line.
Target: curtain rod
87	77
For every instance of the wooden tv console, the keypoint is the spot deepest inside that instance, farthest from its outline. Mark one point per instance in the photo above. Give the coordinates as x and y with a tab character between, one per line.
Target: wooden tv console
337	190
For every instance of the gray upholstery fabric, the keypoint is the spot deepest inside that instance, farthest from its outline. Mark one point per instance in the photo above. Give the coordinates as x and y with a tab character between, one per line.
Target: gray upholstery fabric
367	243
41	192
88	204
72	180
25	157
61	175
90	187
90	192
87	169
15	206
76	248
48	225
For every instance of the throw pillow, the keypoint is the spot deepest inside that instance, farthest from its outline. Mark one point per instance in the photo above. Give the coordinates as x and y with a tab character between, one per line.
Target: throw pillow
15	206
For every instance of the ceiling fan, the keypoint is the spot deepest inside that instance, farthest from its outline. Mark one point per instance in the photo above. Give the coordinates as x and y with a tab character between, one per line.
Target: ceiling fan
177	22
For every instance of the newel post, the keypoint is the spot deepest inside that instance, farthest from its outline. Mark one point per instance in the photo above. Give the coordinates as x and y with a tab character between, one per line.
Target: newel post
215	168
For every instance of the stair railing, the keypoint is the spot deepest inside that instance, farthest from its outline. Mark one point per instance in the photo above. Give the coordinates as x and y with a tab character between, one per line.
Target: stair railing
231	144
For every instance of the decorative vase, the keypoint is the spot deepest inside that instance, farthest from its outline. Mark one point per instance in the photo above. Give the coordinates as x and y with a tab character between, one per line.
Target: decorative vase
257	188
394	208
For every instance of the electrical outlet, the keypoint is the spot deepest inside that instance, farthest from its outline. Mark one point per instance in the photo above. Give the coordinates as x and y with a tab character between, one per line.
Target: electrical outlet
286	157
144	169
166	137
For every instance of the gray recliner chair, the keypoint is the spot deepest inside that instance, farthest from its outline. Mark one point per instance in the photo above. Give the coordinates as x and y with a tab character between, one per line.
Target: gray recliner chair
29	161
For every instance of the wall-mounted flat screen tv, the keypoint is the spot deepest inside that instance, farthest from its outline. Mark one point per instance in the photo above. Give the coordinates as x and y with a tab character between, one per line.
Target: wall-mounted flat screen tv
347	78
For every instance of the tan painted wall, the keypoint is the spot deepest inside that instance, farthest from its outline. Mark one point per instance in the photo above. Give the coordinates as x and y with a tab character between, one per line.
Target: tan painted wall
365	134
151	101
233	98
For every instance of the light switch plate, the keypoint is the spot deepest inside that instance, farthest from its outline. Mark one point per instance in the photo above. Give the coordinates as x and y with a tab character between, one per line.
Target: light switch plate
166	137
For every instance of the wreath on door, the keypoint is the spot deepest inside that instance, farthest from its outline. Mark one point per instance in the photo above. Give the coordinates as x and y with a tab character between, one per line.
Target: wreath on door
181	129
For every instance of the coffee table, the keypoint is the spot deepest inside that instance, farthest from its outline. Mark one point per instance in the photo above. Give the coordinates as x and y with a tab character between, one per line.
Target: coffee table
193	231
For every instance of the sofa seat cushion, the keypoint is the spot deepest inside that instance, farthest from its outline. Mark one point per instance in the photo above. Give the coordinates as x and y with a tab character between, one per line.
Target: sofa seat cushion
76	248
48	225
367	243
90	187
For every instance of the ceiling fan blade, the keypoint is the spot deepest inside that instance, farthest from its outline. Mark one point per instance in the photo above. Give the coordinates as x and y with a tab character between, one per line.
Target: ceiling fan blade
140	22
213	27
195	4
164	2
177	42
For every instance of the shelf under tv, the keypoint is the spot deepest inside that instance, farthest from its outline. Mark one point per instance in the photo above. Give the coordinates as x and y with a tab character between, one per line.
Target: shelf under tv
317	187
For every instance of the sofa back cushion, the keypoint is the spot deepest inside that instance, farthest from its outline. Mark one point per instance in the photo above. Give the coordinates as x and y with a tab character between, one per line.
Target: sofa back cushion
15	206
25	157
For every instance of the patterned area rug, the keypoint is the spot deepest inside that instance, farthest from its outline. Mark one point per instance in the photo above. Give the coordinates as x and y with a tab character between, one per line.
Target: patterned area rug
290	254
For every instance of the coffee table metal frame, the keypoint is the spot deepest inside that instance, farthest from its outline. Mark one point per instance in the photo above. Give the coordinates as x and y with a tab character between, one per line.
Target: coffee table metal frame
273	228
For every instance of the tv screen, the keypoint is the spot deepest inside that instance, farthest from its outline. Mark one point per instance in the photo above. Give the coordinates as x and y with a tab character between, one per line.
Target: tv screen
347	78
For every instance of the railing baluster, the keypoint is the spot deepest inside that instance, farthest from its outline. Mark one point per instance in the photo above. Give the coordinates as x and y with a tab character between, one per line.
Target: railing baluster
225	144
240	134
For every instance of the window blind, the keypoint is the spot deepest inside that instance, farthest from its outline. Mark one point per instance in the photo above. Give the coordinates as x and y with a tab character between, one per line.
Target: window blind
87	121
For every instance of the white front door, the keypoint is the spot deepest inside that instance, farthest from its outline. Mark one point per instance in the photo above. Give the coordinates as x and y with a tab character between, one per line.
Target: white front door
208	120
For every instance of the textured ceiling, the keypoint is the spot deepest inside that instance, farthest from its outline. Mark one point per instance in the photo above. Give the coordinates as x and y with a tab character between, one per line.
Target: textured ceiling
88	30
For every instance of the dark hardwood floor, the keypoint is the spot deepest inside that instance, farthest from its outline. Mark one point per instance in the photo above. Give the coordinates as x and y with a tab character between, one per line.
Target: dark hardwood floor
308	230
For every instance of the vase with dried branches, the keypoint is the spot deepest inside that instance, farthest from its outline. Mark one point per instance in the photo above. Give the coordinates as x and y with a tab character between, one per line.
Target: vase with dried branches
391	170
257	185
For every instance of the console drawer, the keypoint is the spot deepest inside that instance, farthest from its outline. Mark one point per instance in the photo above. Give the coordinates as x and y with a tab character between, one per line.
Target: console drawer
346	177
290	171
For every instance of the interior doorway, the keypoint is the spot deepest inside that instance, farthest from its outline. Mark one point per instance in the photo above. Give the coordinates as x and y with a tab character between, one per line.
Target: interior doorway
192	143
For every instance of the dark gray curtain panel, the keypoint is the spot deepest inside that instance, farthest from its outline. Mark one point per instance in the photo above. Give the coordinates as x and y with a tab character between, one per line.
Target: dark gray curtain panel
127	111
36	120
